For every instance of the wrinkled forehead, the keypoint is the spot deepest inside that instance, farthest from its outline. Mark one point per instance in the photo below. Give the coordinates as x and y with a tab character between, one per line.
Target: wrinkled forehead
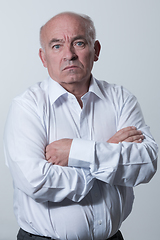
64	26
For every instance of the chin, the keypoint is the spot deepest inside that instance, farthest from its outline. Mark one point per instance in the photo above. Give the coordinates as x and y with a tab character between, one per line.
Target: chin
72	79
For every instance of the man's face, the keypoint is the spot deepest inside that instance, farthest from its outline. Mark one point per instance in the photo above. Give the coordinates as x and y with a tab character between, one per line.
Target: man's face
68	54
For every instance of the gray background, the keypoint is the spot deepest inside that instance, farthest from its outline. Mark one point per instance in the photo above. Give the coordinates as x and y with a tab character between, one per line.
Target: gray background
129	32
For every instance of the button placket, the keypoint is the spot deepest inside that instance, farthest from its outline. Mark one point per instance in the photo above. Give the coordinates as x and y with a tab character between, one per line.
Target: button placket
84	129
97	210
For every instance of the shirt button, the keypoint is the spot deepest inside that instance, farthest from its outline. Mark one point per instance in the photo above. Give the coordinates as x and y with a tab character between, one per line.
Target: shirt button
99	222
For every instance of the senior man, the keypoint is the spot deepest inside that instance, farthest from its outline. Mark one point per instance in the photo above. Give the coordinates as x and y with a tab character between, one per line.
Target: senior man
75	146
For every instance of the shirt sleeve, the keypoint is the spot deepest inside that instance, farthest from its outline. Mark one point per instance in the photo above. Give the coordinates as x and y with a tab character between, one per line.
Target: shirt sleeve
125	164
24	145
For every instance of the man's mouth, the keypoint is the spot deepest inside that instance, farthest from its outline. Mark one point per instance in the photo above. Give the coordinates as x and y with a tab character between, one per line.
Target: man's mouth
70	67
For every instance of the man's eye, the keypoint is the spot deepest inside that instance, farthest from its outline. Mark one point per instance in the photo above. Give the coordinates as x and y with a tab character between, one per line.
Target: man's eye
80	44
57	46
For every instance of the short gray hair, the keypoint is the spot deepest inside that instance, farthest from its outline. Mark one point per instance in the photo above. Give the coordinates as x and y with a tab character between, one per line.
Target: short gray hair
89	26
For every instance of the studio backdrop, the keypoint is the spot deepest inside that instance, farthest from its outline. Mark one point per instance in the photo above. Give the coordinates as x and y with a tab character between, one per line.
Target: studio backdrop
129	32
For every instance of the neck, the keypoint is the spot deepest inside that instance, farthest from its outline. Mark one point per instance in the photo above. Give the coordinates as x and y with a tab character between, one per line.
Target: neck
77	89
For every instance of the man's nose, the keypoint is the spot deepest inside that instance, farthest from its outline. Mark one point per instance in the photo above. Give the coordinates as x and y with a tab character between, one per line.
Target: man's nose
69	53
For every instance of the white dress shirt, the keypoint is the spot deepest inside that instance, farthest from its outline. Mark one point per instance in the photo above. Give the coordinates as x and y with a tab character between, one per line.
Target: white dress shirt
91	197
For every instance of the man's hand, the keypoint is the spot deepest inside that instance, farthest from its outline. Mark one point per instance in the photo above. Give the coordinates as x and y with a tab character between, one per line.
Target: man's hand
128	134
57	152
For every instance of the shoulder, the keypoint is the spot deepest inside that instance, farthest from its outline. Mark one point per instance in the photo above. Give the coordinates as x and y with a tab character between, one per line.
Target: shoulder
114	91
34	92
33	101
34	95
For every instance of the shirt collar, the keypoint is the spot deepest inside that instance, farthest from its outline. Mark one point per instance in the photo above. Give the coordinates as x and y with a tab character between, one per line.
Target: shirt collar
94	88
56	90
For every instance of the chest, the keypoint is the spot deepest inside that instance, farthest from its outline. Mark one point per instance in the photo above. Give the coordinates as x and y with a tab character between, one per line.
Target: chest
97	120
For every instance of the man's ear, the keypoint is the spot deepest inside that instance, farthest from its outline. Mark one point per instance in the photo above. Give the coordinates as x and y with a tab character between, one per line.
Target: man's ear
97	48
42	57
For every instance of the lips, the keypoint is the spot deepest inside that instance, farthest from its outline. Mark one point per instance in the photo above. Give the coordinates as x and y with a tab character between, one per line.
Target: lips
70	67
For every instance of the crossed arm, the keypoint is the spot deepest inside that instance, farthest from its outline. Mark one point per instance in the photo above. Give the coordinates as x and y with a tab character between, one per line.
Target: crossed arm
124	164
57	152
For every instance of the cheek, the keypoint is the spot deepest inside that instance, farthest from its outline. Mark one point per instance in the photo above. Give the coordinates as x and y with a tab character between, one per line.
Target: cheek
89	59
52	63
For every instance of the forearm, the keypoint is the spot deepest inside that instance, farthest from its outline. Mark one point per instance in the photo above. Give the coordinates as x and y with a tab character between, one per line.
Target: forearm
129	164
43	181
119	162
126	164
25	142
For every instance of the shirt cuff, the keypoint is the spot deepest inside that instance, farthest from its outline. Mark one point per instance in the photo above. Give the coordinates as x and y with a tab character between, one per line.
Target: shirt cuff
82	153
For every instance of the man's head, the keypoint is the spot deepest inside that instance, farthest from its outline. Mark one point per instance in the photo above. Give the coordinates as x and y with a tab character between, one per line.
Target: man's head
68	48
87	21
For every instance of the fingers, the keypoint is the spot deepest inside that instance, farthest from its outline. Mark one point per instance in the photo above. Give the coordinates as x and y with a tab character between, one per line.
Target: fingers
138	141
128	134
51	156
50	153
47	153
131	134
136	137
57	152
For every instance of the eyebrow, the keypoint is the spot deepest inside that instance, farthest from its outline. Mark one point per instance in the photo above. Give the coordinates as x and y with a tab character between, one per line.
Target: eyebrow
79	37
57	40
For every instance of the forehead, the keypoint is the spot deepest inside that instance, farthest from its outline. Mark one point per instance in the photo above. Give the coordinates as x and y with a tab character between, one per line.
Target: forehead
65	27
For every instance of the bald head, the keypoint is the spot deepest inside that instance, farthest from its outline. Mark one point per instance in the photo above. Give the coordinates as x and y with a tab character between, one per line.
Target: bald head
85	21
